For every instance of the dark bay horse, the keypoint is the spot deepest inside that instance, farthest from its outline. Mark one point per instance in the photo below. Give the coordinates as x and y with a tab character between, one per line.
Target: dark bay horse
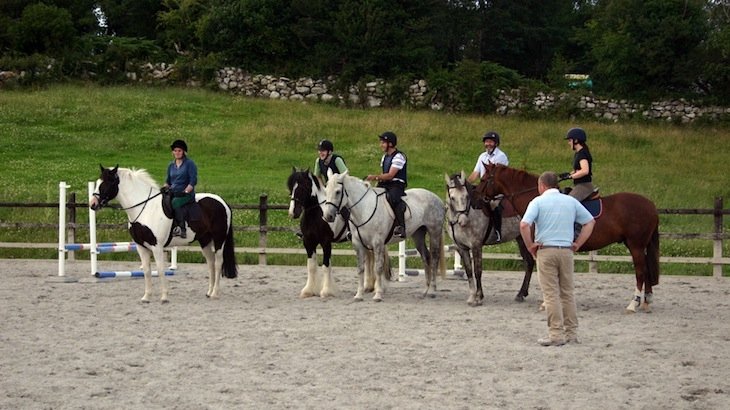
470	229
626	218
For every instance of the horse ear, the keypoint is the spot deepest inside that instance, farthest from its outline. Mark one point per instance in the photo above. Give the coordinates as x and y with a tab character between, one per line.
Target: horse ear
293	169
101	167
463	175
446	178
115	169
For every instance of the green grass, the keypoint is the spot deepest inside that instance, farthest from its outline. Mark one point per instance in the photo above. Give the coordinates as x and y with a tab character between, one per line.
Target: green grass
246	147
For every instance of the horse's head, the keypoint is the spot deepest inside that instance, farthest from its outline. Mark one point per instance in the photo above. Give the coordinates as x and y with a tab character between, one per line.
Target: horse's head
490	185
302	187
335	195
458	198
107	188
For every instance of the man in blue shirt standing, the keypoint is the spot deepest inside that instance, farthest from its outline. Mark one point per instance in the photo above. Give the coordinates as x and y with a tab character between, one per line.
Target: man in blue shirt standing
554	215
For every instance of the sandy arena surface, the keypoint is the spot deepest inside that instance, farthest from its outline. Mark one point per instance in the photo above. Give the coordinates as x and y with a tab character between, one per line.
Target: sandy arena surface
84	343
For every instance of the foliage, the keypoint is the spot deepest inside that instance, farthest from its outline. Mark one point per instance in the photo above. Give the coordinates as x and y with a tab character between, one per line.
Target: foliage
471	86
43	29
645	46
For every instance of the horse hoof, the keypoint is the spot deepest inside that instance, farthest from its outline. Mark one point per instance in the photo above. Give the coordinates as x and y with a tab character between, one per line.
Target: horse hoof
145	299
357	298
630	311
646	307
377	299
519	298
305	295
164	301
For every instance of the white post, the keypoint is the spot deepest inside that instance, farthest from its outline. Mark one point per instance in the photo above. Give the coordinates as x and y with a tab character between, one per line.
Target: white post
401	260
173	258
457	261
62	227
92	231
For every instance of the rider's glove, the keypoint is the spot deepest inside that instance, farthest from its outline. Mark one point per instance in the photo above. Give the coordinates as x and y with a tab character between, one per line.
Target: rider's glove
564	176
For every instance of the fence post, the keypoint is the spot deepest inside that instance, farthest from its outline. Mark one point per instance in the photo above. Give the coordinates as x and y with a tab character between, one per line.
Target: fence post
717	242
72	222
62	186
592	263
263	208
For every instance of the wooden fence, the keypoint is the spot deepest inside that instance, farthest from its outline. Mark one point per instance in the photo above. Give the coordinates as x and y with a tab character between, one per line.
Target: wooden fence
717	236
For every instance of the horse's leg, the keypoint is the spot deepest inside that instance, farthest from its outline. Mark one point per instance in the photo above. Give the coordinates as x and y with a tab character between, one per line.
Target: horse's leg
310	288
369	272
214	270
160	261
466	261
361	261
328	286
529	263
637	255
378	251
144	256
477	263
419	239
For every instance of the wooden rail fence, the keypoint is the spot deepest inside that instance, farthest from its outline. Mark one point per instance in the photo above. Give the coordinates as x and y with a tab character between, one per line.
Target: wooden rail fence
717	236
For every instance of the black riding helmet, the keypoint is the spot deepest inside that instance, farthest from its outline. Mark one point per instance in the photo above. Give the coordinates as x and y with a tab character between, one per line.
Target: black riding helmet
390	137
491	135
179	144
325	145
577	135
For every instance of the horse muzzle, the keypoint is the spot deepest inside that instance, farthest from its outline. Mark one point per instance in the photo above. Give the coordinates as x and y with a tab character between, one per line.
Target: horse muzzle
96	204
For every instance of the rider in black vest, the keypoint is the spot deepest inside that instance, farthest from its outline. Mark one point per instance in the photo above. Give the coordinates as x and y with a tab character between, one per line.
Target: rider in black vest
327	159
394	179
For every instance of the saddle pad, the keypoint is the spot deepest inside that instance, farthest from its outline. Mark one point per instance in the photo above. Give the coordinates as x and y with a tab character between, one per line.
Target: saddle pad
594	206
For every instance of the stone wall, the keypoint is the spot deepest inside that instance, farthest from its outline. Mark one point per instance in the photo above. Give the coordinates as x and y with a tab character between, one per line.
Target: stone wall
374	94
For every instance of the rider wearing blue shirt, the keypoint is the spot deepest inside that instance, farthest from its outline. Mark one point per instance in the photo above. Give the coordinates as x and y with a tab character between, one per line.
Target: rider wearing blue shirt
182	176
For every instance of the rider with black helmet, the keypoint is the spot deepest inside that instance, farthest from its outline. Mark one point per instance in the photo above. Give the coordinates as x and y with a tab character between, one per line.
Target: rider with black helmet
492	155
394	179
327	159
182	176
582	174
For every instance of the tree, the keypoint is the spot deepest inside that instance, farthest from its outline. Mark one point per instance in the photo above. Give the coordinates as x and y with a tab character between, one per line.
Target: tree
43	29
645	46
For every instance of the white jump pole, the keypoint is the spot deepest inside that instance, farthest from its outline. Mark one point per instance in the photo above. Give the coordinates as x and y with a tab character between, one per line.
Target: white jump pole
62	186
92	231
401	261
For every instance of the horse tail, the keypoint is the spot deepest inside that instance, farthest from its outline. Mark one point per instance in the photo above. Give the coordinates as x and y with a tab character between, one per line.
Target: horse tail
230	268
442	257
652	258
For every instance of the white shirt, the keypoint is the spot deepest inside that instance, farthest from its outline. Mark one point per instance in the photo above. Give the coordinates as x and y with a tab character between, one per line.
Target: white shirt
496	157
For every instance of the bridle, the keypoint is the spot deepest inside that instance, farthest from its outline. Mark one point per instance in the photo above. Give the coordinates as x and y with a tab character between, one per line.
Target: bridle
508	196
339	206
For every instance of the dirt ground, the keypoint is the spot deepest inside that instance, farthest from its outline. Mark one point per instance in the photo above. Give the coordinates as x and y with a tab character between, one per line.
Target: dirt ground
79	342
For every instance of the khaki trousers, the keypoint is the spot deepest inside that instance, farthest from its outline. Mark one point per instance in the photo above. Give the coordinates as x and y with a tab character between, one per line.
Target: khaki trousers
555	274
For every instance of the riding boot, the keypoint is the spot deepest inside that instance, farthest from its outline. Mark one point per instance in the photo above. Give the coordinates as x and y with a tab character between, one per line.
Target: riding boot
180	222
400	229
497	222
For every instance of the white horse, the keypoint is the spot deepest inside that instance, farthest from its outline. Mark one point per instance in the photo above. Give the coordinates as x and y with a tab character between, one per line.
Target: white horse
470	229
151	226
372	221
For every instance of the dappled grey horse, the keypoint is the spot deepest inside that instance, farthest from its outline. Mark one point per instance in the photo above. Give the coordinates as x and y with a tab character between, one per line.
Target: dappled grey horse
470	228
372	222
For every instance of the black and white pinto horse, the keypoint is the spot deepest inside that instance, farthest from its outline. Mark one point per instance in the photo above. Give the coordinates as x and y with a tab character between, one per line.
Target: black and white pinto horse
371	222
307	196
470	229
151	227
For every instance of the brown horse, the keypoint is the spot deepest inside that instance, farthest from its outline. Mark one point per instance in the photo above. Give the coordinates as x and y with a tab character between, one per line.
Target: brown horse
626	218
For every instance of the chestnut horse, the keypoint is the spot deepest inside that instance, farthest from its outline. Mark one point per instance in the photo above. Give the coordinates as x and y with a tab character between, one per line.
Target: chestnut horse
626	218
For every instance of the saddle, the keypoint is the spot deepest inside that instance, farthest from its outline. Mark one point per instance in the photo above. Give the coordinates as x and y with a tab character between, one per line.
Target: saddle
594	203
191	210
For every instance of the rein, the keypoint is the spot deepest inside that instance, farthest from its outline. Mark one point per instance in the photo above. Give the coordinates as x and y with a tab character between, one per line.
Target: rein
149	198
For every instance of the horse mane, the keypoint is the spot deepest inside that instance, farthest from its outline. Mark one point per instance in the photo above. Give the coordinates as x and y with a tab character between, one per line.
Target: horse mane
138	174
517	177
